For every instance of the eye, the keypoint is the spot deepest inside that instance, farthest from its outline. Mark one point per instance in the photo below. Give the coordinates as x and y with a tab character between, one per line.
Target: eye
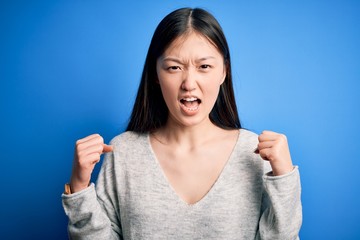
205	67
173	68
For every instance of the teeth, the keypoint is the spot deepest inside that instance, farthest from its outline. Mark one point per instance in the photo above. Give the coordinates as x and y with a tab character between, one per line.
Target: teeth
191	99
192	109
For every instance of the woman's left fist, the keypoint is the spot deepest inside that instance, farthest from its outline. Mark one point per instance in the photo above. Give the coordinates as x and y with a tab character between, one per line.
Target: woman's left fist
274	148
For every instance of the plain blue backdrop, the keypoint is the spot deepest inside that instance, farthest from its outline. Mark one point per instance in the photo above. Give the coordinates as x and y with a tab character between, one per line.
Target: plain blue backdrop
72	68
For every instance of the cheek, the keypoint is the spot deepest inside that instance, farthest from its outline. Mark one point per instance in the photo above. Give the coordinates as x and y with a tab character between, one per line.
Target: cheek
166	85
214	92
169	83
168	90
214	87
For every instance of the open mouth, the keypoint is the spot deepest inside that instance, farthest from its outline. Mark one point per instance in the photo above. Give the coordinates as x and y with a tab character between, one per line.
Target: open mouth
191	103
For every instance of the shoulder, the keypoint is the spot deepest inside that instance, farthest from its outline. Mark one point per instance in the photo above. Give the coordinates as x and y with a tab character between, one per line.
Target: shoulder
130	144
128	137
249	142
248	139
245	149
248	134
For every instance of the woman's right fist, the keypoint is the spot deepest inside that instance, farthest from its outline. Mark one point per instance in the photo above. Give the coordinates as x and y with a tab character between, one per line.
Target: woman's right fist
87	153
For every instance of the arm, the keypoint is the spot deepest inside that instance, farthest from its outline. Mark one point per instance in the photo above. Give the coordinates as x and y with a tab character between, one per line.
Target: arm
90	217
281	206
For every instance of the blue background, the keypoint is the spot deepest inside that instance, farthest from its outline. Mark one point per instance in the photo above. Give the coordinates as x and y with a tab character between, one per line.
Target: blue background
72	68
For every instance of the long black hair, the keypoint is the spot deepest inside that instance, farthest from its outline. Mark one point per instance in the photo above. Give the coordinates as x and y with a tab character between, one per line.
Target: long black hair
150	111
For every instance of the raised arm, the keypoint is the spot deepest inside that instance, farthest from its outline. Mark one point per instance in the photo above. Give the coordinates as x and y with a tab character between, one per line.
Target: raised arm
282	210
88	215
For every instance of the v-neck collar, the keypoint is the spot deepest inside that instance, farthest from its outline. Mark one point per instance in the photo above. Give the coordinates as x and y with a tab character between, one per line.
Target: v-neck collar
212	190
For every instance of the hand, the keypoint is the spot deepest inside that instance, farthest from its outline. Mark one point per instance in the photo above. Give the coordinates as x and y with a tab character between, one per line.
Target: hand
274	148
87	154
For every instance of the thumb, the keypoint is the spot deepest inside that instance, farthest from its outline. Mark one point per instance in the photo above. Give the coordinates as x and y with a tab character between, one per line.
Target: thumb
107	148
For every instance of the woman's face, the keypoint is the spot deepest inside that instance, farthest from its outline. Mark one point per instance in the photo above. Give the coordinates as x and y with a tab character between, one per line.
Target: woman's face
190	73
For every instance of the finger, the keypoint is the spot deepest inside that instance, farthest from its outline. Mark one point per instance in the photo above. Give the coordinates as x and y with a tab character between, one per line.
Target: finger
267	136
89	160
269	132
84	153
94	158
266	144
107	148
94	140
89	143
265	154
85	139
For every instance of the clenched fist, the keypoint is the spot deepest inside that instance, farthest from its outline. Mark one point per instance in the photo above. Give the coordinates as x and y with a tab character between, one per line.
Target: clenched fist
274	148
87	153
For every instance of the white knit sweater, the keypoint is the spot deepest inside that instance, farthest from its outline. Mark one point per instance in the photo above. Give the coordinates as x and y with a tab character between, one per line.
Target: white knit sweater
134	200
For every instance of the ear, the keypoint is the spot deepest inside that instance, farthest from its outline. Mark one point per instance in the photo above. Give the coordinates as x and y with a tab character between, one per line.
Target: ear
223	79
156	74
156	78
224	73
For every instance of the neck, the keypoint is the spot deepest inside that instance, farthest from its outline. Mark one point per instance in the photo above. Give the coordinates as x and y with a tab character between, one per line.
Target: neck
187	136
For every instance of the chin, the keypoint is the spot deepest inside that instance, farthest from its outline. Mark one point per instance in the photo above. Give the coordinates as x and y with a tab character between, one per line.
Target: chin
192	121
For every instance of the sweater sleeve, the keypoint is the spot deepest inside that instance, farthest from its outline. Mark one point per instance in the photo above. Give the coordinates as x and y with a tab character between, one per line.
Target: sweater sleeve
281	207
90	215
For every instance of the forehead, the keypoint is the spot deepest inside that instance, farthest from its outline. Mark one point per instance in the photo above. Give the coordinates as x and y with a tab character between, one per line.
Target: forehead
192	41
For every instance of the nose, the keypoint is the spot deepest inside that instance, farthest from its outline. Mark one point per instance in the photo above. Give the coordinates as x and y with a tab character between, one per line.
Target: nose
189	81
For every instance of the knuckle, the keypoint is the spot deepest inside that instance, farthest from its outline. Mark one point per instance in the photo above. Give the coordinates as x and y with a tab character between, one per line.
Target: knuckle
82	163
99	139
262	153
78	148
82	158
99	148
79	145
97	156
283	136
260	137
79	154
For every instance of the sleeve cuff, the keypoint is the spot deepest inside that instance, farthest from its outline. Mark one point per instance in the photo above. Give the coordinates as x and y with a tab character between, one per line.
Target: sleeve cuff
86	191
269	176
283	183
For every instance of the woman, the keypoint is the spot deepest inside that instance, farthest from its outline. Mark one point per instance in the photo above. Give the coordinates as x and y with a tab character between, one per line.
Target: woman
185	169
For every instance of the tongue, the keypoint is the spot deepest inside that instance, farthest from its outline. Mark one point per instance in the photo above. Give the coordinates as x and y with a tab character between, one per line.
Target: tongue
190	104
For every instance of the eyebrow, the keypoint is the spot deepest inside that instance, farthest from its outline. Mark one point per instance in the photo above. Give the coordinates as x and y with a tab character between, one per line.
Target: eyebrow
174	59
